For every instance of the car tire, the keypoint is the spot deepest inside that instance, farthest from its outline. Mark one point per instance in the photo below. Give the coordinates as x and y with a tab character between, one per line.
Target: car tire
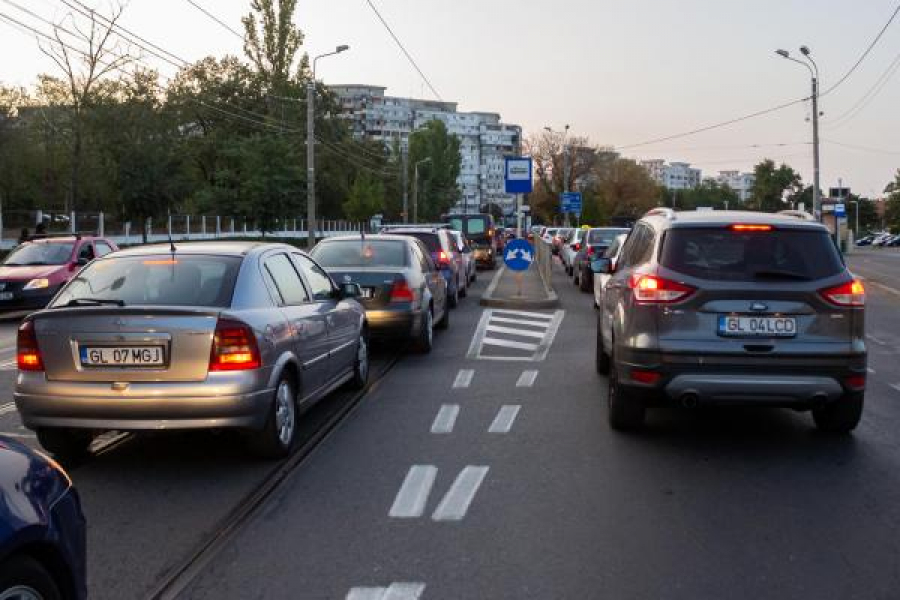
361	362
601	360
464	291
444	323
453	299
586	283
65	444
474	275
276	439
424	341
841	416
27	576
626	412
576	277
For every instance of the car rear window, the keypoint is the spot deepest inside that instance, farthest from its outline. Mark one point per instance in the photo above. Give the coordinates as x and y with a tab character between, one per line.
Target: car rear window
40	253
361	253
431	240
156	280
604	237
469	225
780	254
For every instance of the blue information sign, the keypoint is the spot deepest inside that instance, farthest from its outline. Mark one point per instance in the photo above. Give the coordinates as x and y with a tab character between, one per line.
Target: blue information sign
518	255
840	210
518	175
570	202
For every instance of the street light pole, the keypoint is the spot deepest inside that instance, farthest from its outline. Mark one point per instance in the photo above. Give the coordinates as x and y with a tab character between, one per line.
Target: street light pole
415	206
311	149
814	74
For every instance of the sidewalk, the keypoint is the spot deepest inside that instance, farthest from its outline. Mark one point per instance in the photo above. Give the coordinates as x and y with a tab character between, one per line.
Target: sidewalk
504	292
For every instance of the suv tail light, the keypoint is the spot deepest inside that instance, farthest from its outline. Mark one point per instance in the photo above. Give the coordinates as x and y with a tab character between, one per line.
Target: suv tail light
401	292
443	259
852	293
28	355
652	289
234	347
576	246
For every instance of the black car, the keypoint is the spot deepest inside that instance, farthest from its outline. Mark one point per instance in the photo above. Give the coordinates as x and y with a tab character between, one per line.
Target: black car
481	231
596	242
403	290
42	528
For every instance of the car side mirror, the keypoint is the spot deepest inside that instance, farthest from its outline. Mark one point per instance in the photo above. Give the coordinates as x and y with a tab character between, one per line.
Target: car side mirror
602	266
350	290
82	261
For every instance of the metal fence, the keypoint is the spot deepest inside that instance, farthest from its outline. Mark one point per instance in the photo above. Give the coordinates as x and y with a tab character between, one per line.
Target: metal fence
544	261
14	224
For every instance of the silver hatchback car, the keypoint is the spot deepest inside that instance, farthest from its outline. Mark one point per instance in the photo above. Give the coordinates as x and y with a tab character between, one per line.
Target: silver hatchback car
190	336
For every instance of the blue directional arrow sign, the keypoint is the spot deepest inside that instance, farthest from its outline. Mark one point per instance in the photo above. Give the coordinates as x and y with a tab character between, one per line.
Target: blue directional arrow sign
518	255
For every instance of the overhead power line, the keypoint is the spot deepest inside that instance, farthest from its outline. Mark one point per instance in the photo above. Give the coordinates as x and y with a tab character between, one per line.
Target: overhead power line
864	54
403	49
216	19
862	148
866	98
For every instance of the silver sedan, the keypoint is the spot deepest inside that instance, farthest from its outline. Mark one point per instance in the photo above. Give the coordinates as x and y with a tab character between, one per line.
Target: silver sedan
191	336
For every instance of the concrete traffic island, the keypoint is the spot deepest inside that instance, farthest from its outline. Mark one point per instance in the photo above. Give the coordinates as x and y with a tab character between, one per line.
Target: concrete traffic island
507	290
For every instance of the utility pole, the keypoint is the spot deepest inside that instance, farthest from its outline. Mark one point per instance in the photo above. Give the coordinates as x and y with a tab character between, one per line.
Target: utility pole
311	149
404	174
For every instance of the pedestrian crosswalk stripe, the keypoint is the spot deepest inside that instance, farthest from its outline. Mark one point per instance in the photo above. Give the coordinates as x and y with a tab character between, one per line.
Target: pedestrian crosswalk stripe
7	408
395	591
514	331
514	335
509	344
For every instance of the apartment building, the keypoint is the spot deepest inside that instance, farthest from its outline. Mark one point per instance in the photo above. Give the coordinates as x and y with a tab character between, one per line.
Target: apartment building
674	176
742	183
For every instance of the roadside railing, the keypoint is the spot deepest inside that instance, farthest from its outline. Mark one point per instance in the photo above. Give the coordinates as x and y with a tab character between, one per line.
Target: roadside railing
543	259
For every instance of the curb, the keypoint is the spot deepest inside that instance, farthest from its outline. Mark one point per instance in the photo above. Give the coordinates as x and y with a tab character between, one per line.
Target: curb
488	299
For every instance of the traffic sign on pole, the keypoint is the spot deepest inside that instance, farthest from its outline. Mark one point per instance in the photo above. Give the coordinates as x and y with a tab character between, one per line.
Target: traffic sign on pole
840	210
570	202
518	255
518	175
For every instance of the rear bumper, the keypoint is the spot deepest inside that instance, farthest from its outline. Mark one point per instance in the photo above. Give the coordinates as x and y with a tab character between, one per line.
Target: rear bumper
484	256
796	382
142	406
389	324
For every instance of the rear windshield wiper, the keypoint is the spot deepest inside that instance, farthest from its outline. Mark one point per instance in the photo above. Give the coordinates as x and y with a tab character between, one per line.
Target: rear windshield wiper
94	302
780	275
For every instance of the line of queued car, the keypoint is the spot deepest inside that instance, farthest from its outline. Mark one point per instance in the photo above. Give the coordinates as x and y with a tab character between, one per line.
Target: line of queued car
725	308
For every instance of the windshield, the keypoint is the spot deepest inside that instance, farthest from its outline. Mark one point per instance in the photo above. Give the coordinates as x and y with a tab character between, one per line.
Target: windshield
40	253
801	254
431	240
156	280
361	253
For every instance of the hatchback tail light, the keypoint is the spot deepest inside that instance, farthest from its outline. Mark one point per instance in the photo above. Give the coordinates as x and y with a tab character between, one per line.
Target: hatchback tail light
234	347
852	293
28	355
590	251
443	258
652	289
576	246
401	292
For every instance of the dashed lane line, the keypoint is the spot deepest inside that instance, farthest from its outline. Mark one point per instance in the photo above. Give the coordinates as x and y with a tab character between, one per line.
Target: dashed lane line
445	419
877	340
463	378
457	501
505	418
526	379
870	370
395	591
896	386
413	495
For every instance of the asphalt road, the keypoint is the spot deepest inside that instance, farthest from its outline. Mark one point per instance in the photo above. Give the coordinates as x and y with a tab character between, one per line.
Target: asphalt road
464	478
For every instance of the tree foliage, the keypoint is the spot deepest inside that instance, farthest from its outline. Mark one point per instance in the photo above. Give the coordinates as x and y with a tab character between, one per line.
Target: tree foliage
774	187
438	190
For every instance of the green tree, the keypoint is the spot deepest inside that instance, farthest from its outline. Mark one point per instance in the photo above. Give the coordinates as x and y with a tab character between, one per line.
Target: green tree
438	191
710	193
365	199
271	40
892	208
771	186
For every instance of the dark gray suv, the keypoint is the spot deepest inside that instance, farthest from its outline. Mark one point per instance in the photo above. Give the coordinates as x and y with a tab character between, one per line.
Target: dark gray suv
732	308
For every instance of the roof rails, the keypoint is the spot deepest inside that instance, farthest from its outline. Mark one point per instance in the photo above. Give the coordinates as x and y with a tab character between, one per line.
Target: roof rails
47	236
662	211
797	214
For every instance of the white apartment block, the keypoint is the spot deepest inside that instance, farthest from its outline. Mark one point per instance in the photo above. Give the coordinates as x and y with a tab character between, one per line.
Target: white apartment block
674	176
742	183
484	140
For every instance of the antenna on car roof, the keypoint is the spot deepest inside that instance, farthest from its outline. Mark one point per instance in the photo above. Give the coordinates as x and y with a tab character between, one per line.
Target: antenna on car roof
172	247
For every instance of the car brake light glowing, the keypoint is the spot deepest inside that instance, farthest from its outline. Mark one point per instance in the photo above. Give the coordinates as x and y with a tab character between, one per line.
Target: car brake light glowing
234	347
576	246
590	251
651	289
28	354
647	377
856	381
744	227
851	293
443	258
401	292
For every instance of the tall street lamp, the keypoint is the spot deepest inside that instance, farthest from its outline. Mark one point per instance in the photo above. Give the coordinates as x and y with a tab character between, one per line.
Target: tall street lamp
813	68
415	207
311	149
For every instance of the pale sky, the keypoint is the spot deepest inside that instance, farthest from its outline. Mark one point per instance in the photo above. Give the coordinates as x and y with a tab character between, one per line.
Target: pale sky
618	72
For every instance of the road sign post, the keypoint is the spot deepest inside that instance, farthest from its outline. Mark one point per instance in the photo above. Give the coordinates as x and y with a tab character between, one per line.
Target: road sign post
519	181
570	202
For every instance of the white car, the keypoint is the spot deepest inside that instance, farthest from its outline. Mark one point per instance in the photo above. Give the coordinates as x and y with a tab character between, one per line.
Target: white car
570	248
600	279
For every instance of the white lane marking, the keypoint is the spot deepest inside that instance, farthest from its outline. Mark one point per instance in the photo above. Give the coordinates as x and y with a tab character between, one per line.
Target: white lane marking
523	332
526	379
456	502
870	370
541	324
9	407
19	436
463	378
413	494
445	419
896	386
505	418
522	313
509	344
395	591
876	340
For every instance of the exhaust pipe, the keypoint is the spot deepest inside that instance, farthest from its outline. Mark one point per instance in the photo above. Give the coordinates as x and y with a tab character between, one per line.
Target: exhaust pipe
690	400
